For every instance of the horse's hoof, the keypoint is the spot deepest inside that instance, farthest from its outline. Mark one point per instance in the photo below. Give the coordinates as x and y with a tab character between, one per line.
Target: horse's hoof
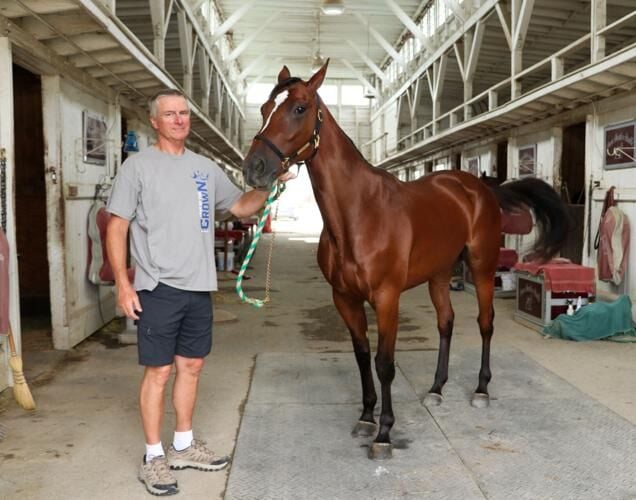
433	399
381	451
480	400
364	429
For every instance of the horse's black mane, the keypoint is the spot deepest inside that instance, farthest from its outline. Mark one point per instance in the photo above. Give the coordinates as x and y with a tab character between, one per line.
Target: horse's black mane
283	84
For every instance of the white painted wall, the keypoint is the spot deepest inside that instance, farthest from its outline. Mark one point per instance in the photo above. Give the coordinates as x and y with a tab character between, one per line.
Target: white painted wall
607	113
487	158
81	312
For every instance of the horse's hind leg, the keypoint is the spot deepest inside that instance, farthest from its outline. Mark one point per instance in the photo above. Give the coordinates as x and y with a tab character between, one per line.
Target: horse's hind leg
485	289
352	312
440	296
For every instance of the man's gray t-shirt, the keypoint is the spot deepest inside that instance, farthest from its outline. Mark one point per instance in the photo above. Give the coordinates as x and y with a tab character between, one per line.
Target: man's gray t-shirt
170	203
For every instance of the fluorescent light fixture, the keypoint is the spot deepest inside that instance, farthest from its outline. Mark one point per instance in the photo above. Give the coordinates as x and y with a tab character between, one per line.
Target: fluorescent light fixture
332	7
317	62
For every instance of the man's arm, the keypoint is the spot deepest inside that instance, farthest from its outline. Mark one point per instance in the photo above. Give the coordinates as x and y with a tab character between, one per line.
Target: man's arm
249	203
116	245
252	201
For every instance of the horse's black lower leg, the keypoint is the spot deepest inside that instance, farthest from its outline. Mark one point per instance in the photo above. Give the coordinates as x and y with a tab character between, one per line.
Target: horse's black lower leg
366	425
481	398
434	396
352	312
386	310
381	447
440	296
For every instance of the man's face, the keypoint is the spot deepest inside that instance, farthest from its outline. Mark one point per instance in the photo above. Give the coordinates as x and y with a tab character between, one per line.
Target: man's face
172	120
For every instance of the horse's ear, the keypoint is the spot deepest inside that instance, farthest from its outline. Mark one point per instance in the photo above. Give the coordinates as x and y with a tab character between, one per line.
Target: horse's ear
315	81
284	74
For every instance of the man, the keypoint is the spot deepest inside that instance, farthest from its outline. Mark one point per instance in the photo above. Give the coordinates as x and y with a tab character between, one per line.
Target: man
167	196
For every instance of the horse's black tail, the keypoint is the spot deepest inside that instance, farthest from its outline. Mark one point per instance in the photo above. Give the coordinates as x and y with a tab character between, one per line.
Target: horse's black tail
551	214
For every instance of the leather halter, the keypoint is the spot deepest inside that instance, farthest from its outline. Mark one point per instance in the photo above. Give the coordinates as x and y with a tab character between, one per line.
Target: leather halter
288	161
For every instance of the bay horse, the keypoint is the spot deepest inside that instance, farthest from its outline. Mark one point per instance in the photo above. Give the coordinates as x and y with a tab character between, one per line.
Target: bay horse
382	236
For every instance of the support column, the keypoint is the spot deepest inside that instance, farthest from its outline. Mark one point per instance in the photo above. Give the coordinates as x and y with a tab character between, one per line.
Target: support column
516	65
205	81
7	148
435	85
188	48
515	29
557	65
467	62
159	16
52	99
493	100
598	21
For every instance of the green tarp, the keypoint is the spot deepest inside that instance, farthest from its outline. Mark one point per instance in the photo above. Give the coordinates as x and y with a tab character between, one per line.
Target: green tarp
599	320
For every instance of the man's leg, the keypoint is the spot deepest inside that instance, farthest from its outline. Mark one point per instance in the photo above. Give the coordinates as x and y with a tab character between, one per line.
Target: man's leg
152	400
184	392
157	332
155	472
194	343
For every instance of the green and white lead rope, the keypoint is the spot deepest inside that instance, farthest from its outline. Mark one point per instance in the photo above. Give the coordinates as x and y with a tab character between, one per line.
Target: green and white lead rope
276	191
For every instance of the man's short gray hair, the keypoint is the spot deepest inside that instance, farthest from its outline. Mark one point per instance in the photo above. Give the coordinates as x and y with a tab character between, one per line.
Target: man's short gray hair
152	102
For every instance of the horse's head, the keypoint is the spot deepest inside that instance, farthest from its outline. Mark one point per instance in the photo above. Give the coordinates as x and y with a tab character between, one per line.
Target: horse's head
290	130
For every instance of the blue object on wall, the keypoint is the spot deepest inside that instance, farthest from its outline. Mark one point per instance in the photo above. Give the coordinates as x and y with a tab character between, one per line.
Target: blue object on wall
130	146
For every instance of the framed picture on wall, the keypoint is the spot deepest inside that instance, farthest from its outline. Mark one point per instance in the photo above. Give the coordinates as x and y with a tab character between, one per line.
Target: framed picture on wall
93	138
619	145
472	164
528	160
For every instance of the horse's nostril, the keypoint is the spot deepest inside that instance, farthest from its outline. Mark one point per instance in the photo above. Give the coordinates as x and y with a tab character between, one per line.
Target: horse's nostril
259	167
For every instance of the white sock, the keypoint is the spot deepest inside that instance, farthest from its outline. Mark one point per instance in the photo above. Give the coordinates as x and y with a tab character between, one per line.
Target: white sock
154	450
182	440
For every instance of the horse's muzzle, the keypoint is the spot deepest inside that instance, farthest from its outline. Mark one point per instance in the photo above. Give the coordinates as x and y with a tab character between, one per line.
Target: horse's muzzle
257	172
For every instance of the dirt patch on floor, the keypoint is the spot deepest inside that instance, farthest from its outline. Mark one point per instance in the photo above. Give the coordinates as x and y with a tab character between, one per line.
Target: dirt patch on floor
324	323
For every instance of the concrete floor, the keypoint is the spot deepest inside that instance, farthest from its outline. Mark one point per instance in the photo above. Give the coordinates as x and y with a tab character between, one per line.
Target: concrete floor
84	441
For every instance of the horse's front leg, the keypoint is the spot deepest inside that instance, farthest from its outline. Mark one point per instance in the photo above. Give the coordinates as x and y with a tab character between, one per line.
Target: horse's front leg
352	312
387	313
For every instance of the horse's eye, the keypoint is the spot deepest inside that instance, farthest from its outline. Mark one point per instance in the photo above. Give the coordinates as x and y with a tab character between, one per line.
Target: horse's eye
299	110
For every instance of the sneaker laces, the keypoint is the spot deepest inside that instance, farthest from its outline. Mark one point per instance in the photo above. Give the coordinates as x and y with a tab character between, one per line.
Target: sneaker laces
202	452
159	471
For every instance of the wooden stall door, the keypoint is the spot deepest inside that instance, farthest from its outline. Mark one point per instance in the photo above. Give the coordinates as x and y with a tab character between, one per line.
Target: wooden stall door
573	188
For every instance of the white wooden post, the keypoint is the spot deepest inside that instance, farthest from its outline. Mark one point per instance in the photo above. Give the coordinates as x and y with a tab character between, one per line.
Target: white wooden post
159	17
435	84
52	99
188	47
6	144
598	21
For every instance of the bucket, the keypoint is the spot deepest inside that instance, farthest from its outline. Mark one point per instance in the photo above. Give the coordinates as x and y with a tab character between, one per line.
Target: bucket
220	261
508	282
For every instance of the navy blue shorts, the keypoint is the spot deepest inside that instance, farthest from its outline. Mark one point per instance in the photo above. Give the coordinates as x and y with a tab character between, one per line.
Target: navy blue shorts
173	322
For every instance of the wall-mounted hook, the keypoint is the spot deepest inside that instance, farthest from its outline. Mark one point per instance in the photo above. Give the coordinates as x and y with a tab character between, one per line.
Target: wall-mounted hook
53	173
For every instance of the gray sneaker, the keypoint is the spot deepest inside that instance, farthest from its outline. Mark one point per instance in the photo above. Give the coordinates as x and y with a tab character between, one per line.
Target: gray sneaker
197	456
157	477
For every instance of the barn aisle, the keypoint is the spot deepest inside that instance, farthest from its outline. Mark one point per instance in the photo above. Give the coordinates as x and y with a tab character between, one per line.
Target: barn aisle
84	440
